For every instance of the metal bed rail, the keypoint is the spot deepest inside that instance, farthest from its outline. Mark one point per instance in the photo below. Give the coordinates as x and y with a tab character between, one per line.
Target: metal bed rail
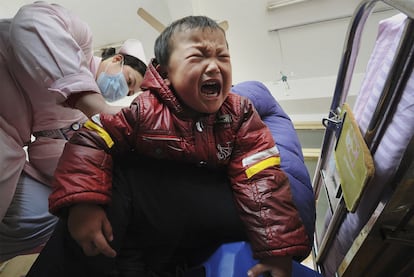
395	84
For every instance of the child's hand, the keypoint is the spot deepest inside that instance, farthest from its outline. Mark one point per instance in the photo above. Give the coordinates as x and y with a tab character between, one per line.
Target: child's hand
89	226
276	266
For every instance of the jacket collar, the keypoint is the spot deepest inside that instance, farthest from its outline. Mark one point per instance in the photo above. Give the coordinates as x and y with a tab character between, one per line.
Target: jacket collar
154	82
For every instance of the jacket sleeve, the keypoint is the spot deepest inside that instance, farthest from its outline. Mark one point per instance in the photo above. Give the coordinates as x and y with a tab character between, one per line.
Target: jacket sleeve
84	171
262	192
289	146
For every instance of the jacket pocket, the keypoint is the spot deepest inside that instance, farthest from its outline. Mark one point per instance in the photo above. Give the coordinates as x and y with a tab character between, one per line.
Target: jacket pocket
162	146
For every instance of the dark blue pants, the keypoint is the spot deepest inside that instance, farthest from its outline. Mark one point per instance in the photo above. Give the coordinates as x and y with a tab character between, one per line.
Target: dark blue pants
165	216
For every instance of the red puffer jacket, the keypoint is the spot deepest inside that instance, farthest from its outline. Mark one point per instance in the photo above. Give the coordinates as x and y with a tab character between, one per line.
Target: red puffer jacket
157	125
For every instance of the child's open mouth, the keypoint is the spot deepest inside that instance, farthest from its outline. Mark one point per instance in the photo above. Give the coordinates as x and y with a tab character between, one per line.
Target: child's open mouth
211	89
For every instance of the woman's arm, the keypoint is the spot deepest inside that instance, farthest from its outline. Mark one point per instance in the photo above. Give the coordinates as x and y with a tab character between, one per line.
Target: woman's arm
93	103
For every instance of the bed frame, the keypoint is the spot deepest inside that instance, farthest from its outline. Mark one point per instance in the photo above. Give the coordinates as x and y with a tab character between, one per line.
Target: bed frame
384	245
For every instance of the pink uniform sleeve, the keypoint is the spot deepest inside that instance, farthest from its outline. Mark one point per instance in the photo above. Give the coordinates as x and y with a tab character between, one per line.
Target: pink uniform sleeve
41	33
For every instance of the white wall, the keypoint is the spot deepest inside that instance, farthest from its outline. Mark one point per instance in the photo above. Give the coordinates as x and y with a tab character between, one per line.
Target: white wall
265	43
310	58
262	43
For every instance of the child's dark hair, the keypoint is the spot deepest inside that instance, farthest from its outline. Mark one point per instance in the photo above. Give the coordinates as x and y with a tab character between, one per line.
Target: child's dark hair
132	61
162	47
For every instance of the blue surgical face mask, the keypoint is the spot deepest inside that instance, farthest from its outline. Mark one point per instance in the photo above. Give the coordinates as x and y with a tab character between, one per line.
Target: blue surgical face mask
113	87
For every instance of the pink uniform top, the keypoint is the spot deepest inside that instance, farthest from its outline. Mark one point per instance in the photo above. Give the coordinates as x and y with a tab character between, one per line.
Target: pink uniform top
46	54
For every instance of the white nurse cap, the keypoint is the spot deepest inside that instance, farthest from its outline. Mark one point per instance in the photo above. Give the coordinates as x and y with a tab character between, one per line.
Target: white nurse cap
133	47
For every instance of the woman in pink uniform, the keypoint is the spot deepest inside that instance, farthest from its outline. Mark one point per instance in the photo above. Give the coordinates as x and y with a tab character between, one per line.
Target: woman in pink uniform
50	82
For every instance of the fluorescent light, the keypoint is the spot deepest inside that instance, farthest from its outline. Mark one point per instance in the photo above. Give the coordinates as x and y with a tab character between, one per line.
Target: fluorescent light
281	3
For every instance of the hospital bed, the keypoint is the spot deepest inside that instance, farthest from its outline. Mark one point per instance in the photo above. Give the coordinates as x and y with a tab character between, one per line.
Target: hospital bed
365	170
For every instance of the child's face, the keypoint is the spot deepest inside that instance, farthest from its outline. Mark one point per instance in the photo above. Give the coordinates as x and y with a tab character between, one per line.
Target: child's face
199	68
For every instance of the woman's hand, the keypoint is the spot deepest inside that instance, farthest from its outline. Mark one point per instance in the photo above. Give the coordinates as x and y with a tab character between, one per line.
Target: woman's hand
91	229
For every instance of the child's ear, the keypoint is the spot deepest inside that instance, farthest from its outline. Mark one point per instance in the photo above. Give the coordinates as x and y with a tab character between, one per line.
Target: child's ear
163	73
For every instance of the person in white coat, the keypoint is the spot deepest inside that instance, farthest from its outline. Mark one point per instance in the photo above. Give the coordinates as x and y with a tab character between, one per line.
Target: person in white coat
50	83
